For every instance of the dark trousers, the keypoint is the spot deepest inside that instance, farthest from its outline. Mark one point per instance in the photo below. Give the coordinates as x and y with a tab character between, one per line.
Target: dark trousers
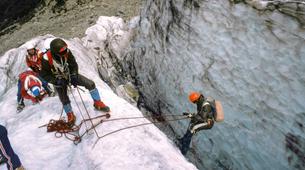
185	142
81	81
6	151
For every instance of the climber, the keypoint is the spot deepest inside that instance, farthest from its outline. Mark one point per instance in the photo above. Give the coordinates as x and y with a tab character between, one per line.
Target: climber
7	154
60	68
208	111
33	57
31	87
33	61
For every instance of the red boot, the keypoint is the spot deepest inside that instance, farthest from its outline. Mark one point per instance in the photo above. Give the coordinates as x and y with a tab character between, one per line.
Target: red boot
99	105
71	119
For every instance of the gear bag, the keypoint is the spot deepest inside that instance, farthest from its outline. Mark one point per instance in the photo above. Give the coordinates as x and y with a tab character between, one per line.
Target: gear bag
219	111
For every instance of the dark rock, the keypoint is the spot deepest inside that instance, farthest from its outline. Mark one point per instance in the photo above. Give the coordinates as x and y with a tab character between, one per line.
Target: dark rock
295	147
15	10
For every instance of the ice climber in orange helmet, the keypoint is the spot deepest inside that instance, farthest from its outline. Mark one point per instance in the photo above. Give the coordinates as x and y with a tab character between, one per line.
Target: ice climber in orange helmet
207	114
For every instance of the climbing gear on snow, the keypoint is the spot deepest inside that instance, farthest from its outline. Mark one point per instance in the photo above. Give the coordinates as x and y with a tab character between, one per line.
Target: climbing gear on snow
62	128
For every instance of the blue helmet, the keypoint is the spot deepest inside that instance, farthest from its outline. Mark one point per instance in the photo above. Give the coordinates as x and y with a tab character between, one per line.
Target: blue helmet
36	91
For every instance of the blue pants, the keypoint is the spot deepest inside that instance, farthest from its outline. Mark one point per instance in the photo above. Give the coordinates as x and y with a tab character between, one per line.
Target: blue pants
6	151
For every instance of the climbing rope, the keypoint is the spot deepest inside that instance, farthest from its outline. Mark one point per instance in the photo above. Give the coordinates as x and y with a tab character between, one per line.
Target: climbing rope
62	128
141	117
182	117
87	112
77	105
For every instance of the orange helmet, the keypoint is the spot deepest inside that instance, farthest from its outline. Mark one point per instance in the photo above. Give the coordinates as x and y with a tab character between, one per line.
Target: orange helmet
194	96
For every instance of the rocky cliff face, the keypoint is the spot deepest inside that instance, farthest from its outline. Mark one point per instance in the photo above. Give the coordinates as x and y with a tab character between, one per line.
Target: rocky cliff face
252	60
14	10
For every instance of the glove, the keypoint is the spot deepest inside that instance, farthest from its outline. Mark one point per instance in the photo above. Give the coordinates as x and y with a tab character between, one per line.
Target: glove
190	115
61	82
51	93
74	79
193	131
35	68
185	113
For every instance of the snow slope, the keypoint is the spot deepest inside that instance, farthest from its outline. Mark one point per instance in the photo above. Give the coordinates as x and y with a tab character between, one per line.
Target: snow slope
144	147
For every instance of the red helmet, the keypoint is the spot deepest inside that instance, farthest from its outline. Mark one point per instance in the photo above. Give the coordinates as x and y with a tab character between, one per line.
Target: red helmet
194	96
59	47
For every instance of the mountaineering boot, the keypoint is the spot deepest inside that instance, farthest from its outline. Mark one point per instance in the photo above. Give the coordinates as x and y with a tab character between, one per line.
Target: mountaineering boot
20	107
20	168
71	119
99	105
70	114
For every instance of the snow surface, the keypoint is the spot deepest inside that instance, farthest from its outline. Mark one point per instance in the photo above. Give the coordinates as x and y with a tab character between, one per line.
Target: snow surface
145	147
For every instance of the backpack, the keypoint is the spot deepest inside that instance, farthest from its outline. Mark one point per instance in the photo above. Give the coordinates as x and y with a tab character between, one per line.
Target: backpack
216	109
219	111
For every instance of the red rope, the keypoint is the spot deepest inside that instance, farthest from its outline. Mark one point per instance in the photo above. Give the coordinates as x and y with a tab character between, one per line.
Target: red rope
61	128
